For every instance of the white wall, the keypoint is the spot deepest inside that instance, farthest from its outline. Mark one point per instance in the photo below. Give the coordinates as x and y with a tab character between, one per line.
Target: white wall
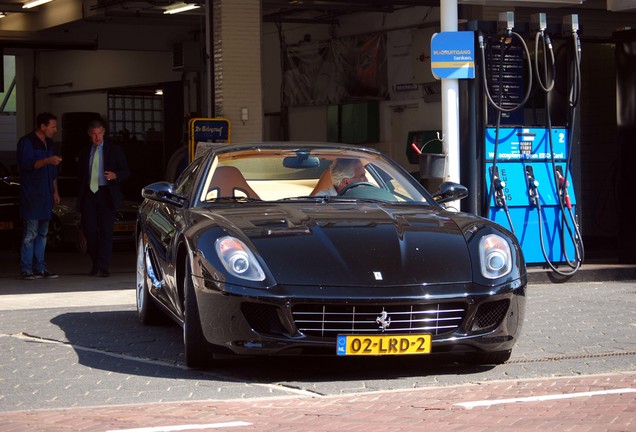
92	102
74	81
103	69
398	119
310	123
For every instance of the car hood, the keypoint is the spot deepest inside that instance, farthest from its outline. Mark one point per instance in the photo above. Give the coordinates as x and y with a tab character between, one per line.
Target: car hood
353	244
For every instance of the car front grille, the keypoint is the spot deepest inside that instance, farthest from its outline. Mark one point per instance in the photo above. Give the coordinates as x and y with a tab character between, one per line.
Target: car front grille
263	318
327	321
490	314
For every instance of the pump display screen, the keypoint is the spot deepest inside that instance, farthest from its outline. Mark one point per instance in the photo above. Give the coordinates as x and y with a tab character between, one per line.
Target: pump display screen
526	144
525	147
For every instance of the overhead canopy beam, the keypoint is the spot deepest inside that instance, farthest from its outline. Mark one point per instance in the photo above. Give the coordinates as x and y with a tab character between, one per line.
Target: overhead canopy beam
18	39
14	8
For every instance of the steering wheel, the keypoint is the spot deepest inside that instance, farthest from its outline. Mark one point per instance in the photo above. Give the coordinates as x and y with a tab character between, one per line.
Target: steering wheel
347	188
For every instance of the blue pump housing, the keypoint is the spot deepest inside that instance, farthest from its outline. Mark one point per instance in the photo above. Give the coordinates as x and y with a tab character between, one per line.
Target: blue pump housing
524	154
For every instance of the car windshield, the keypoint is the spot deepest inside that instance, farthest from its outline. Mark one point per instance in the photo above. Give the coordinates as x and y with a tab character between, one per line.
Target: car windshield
305	173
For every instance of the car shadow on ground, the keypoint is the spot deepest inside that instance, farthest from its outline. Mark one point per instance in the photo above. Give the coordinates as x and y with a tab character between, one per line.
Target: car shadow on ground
116	341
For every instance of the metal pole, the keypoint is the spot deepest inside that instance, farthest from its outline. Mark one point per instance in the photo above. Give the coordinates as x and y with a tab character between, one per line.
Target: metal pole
209	60
450	99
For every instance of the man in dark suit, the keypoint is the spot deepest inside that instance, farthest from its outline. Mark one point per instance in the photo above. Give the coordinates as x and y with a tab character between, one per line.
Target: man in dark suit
101	168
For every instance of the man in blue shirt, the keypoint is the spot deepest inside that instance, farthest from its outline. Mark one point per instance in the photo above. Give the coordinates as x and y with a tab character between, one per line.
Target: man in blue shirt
38	194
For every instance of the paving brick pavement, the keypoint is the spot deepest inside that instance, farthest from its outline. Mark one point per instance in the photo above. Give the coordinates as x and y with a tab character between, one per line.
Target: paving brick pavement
99	358
404	410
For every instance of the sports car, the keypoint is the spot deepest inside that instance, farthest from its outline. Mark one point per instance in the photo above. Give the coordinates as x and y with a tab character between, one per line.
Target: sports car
270	249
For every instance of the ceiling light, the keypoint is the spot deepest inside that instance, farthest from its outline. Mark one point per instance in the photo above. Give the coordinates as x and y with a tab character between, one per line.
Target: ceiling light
521	2
34	3
181	8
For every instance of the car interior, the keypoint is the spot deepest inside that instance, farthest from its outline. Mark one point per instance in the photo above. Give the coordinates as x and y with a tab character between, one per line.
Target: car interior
324	182
228	181
287	175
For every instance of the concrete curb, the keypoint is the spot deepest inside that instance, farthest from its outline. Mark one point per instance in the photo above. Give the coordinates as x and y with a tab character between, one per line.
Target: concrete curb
587	273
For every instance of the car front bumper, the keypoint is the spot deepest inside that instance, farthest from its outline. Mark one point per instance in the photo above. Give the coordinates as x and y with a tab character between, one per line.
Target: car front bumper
306	320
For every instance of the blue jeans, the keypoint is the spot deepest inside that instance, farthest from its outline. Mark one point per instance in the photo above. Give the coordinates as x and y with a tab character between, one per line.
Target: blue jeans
33	245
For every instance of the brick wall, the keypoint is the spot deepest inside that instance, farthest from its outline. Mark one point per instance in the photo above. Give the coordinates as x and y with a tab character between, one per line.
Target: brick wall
237	66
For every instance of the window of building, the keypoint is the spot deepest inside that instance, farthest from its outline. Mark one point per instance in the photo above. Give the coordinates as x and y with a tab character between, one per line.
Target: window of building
8	92
7	87
135	117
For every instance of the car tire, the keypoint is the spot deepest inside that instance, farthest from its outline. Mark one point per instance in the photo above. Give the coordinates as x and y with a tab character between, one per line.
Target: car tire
198	352
489	358
147	310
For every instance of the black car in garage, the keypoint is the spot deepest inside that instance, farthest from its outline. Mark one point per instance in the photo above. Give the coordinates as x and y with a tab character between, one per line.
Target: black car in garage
64	228
10	224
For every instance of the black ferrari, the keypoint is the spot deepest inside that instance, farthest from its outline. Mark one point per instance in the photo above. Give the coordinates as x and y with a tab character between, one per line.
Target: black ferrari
304	248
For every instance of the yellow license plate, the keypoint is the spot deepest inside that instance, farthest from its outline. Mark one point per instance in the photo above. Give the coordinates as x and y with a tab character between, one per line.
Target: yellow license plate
396	344
6	225
124	227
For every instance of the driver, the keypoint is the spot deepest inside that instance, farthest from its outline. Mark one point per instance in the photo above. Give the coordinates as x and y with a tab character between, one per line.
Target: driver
343	173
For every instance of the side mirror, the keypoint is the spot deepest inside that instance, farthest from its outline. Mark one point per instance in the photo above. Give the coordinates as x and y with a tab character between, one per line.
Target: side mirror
450	191
162	192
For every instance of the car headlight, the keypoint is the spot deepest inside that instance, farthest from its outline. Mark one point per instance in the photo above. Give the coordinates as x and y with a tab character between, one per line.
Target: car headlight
494	256
237	259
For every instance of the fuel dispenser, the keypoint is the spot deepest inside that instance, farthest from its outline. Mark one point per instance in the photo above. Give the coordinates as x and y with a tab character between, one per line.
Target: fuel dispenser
529	189
523	159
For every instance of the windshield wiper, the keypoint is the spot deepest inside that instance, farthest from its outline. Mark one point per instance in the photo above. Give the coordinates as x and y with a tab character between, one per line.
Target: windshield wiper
302	198
321	198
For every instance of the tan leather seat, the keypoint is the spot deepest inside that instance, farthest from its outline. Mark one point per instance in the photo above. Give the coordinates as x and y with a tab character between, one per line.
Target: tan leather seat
228	180
324	182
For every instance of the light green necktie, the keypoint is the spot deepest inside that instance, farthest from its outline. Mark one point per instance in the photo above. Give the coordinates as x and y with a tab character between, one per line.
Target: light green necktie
94	184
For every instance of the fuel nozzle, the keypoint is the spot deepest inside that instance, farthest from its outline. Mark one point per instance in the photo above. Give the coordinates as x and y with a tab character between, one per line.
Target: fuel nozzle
500	197
533	184
563	188
563	183
498	185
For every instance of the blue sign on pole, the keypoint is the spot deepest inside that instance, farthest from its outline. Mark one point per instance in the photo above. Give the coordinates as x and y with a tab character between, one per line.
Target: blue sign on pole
210	130
453	55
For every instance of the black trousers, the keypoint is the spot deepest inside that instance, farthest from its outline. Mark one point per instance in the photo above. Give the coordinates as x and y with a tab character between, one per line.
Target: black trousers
98	223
